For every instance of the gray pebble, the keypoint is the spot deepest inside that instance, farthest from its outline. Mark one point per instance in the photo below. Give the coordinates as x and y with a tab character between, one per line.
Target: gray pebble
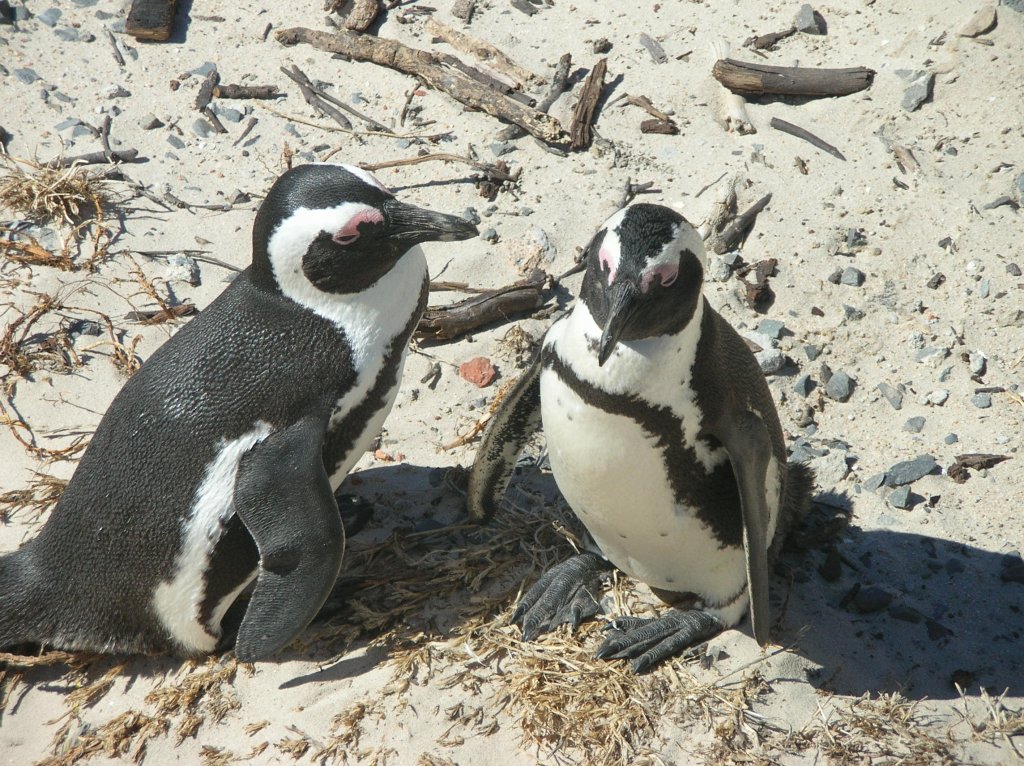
872	599
489	235
718	269
807	21
80	131
914	424
67	34
937	397
490	210
231	115
803	385
84	3
357	98
205	69
909	471
174	141
900	498
982	401
825	372
71	122
526	211
151	122
183	268
501	148
27	76
403	143
49	16
1013	269
856	238
977	362
21	13
984	287
919	88
602	46
892	394
771	360
238	197
839	386
932	356
116	91
771	327
470	215
202	128
852	276
732	259
836	276
951	438
874	482
852	312
811	351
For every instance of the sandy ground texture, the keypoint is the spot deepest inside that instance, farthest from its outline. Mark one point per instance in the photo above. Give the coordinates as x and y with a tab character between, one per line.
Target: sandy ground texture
899	635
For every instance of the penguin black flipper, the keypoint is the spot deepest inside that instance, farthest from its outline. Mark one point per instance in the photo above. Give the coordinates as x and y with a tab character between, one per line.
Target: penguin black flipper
747	441
284	498
516	420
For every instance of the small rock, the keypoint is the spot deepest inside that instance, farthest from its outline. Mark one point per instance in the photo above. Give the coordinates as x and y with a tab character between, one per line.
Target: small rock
67	34
932	356
1013	269
900	498
905	613
811	351
501	148
852	313
937	397
872	599
852	276
602	45
204	69
151	122
951	439
27	76
229	114
183	268
836	276
292	129
856	238
840	386
1003	200
919	88
977	362
808	21
982	401
892	394
718	269
238	197
49	17
873	482
915	340
771	360
984	287
471	216
202	128
909	471
914	424
935	281
21	13
733	259
115	91
803	385
983	20
403	143
479	371
830	469
85	327
825	372
174	141
771	327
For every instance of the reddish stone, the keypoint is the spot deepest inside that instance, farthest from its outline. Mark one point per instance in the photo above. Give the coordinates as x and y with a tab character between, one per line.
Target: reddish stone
479	371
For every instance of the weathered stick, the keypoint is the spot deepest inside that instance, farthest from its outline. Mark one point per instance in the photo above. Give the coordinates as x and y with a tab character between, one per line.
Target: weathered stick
151	19
422	64
312	98
205	94
450	322
750	79
482	50
806	135
583	116
731	235
94	158
492	171
559	82
246	91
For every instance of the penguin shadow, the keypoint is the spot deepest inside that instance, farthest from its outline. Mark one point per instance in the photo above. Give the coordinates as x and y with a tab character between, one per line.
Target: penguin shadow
880	610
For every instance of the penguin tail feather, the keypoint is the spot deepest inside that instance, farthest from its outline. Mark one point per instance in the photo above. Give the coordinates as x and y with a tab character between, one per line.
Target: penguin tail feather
796	504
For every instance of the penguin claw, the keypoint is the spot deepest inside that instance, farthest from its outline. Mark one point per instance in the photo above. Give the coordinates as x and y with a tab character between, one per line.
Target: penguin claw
563	594
650	641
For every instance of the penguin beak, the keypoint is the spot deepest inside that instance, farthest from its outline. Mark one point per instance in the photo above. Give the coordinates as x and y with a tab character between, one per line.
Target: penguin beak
622	306
411	225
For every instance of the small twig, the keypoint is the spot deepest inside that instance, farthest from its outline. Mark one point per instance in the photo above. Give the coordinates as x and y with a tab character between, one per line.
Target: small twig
708	186
217	124
806	135
248	129
490	170
311	97
559	82
408	101
95	158
104	137
247	91
580	129
205	94
113	44
731	235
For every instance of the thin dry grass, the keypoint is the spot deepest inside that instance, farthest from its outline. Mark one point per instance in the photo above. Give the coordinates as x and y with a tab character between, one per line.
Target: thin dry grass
42	193
36	498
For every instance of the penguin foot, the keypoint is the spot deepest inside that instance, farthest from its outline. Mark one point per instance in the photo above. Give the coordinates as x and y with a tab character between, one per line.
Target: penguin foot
355	512
649	641
564	594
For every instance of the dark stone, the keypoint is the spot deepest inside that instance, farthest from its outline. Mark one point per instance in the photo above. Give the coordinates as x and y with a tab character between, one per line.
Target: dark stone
951	439
602	46
900	498
872	599
812	352
852	276
1000	201
852	312
50	16
892	394
803	385
489	235
67	34
6	13
27	76
909	471
936	281
874	482
839	387
836	276
905	613
809	21
914	424
982	401
773	328
1013	269
174	141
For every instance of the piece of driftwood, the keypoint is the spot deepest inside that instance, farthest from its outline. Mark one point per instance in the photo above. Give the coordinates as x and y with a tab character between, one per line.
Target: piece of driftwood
312	97
654	48
247	91
767	42
457	319
581	128
977	460
484	51
752	79
95	158
504	86
492	171
806	135
205	94
113	45
559	82
733	233
151	19
759	294
248	129
426	67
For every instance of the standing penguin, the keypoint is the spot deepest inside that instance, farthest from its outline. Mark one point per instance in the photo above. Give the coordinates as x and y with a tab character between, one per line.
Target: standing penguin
216	463
662	437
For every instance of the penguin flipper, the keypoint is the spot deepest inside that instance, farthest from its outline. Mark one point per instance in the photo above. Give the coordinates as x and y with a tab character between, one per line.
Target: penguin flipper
514	422
284	498
749	445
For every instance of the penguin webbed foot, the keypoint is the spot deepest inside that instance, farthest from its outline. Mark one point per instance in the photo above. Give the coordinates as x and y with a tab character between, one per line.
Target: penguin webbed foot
648	641
563	594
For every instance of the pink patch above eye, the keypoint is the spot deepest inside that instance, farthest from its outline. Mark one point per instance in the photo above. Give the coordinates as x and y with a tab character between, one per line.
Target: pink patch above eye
605	259
349	233
666	273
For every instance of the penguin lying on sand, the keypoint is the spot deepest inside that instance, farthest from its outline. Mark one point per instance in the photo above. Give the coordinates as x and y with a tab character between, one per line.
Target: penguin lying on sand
216	463
662	437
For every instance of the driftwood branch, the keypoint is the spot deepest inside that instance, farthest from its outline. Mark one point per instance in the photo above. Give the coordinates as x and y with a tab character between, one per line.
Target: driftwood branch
312	96
806	135
559	82
95	158
751	79
480	49
246	91
729	237
457	319
492	171
583	115
151	19
426	67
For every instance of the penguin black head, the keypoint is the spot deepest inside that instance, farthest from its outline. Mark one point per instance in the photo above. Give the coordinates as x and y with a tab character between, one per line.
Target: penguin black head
339	228
645	268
